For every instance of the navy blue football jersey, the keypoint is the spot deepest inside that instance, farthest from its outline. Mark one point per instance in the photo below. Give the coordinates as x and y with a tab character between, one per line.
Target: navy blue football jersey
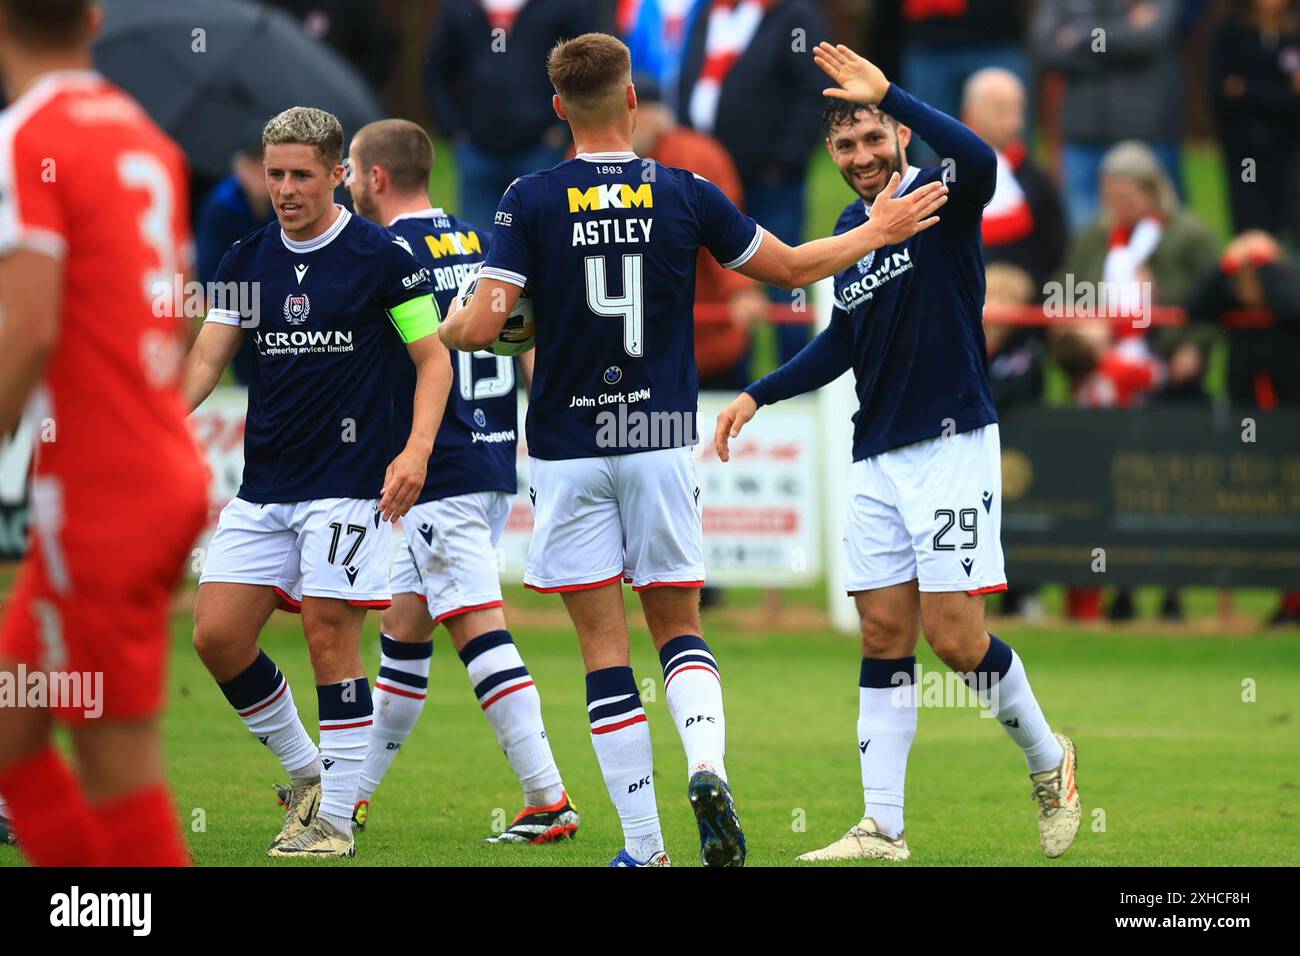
475	447
320	400
908	317
606	244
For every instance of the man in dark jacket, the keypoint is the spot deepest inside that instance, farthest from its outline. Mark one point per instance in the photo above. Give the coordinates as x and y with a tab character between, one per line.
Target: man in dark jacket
1024	222
748	81
1254	293
358	30
1122	81
485	79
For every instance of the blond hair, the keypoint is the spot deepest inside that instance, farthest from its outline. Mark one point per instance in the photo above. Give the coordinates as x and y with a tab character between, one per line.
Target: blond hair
1005	284
310	127
1137	163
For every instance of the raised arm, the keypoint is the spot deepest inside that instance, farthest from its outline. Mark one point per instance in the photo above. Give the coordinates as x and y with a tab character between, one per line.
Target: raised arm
892	220
974	168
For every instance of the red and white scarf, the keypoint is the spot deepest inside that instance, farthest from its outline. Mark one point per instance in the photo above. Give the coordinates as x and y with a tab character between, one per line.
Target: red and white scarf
732	25
502	14
1007	217
1130	248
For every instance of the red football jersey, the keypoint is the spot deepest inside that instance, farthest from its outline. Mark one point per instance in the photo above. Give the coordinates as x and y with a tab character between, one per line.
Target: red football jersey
85	175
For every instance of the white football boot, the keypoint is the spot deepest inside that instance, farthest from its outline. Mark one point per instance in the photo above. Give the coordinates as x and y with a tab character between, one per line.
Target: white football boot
863	842
321	839
300	802
1059	809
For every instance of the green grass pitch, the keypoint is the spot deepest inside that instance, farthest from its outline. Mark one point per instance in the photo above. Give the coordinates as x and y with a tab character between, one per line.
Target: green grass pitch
1175	767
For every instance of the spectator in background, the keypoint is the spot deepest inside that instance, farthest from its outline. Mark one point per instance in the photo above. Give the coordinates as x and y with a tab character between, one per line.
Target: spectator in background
235	206
1255	87
1015	372
1024	223
1015	360
1122	81
358	30
485	79
727	303
747	80
1104	373
945	41
1254	293
1145	243
655	33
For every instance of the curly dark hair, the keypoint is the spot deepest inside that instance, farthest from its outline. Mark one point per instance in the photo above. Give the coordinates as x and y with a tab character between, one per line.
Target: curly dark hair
837	112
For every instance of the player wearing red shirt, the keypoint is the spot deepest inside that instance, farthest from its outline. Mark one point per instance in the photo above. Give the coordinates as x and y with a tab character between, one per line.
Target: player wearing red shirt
93	220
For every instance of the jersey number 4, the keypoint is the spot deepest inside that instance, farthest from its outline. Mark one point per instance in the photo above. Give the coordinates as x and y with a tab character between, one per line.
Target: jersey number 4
630	306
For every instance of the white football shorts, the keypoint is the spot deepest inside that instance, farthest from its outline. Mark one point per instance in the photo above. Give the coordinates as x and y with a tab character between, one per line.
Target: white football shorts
329	548
449	559
630	517
930	511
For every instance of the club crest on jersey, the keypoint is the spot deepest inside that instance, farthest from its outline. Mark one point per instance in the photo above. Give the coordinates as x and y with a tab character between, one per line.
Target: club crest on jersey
479	418
864	264
610	196
613	375
296	309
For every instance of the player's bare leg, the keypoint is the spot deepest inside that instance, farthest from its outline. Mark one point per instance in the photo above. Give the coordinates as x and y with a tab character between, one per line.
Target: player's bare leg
890	621
228	619
333	630
619	731
954	626
693	688
228	622
124	777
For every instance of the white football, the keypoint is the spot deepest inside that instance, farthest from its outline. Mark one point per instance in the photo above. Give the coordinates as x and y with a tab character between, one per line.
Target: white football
517	335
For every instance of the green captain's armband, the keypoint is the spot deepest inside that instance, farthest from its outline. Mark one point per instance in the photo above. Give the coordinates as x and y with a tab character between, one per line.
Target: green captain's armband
416	318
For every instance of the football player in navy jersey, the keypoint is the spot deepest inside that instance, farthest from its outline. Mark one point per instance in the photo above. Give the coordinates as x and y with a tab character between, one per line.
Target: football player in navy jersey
607	244
447	573
337	294
924	514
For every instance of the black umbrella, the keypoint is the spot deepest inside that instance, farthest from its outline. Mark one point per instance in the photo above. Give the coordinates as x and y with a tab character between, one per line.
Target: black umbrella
206	70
